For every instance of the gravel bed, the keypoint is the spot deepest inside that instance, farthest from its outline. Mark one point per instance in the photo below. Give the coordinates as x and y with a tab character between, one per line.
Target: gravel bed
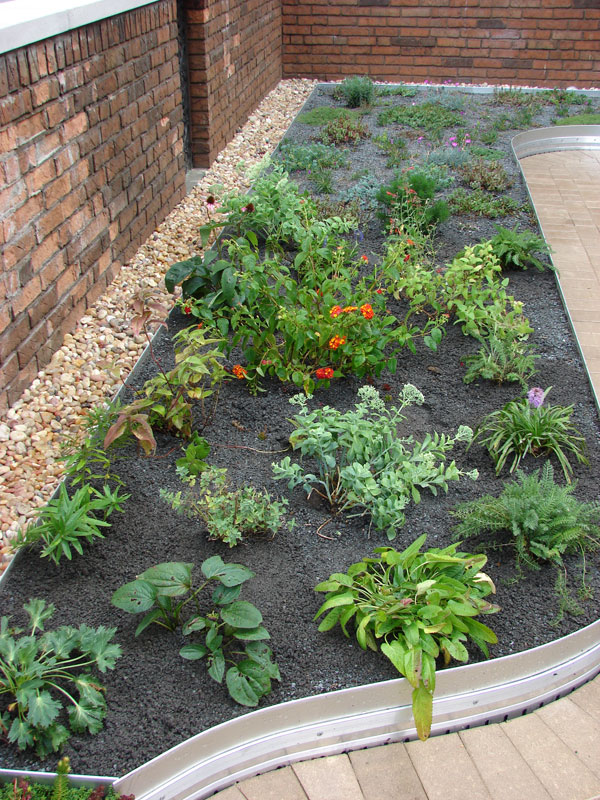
99	354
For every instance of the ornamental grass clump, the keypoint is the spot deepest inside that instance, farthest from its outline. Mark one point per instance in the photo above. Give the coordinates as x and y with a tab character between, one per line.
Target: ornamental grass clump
415	607
528	427
363	463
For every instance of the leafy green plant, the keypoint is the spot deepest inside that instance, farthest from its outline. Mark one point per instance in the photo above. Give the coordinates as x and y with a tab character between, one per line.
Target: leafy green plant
452	157
86	460
544	519
232	629
229	515
324	114
489	153
344	131
166	400
408	201
60	789
480	173
356	91
65	523
586	118
38	673
396	91
527	426
362	460
312	156
395	149
482	204
517	98
517	249
414	606
193	462
430	117
502	359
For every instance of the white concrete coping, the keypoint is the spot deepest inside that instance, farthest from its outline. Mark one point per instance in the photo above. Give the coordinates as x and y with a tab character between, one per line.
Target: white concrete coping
22	23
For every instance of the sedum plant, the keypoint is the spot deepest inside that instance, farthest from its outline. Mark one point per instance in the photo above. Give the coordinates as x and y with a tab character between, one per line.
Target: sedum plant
42	673
414	606
362	461
66	522
229	515
231	629
527	426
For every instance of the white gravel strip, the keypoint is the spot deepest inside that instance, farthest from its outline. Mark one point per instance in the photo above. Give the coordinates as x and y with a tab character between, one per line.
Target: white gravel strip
99	354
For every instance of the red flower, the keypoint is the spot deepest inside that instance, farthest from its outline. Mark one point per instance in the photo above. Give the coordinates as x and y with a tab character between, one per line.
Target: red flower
187	309
365	259
335	311
336	341
323	373
367	311
239	371
379	291
407	257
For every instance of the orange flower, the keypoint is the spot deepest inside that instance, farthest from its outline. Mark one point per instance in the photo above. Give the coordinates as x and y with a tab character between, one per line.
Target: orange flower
323	373
365	259
347	309
239	371
335	311
367	311
336	341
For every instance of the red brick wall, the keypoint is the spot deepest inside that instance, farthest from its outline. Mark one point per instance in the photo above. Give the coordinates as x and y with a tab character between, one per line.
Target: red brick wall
520	42
91	161
234	59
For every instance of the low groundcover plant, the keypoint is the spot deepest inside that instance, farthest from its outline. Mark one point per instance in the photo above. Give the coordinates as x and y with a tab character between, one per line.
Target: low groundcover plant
414	606
232	629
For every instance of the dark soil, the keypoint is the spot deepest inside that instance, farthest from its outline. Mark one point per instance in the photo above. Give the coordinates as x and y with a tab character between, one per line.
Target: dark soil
155	698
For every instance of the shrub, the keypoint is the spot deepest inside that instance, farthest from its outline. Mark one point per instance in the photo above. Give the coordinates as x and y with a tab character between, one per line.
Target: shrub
517	249
414	607
502	359
481	204
479	173
344	131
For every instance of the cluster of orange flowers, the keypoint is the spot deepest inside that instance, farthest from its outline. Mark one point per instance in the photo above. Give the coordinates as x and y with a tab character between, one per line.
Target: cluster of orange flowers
239	371
323	373
336	341
367	311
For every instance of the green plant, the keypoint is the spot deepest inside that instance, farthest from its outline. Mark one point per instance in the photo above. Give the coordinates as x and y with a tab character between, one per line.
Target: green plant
480	203
38	673
356	91
527	426
86	460
517	98
312	156
60	789
489	153
414	607
430	117
395	149
580	119
544	519
65	523
324	114
502	359
395	91
230	515
166	400
516	249
344	131
480	173
408	202
452	157
231	628
322	180
193	462
362	460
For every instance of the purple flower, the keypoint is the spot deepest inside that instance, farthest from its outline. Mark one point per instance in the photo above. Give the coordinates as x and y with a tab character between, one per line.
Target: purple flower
536	396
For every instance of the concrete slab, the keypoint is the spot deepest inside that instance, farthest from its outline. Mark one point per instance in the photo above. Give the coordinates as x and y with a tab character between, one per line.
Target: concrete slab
446	770
329	778
578	730
280	784
387	773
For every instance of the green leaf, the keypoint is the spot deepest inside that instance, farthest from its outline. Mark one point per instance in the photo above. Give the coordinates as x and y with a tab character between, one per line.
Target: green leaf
241	614
228	574
38	612
216	668
150	617
223	595
178	272
422	705
336	600
193	651
139	595
42	709
171	578
194	624
253	634
86	717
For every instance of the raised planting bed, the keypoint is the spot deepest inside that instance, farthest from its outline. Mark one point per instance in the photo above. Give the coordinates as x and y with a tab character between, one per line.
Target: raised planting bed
156	699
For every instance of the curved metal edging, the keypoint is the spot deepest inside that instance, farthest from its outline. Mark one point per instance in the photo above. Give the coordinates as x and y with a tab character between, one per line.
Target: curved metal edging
560	137
364	716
